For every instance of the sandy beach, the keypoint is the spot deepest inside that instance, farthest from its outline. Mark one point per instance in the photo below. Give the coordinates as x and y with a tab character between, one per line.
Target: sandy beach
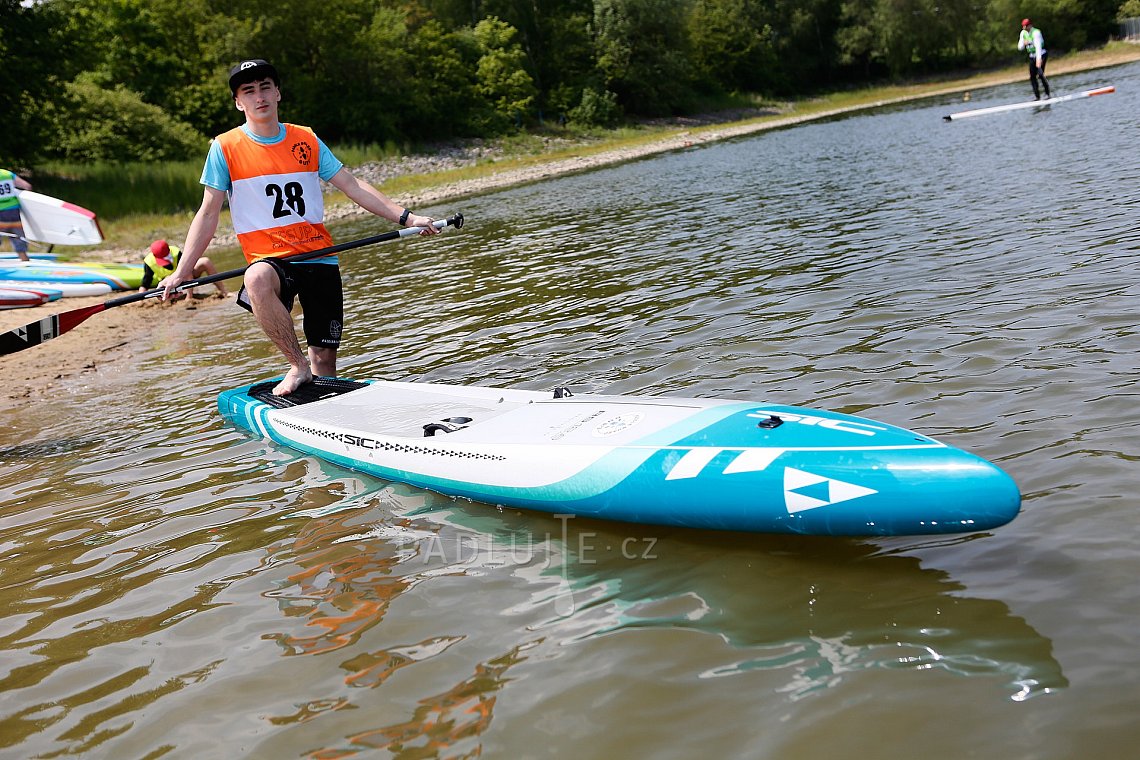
107	337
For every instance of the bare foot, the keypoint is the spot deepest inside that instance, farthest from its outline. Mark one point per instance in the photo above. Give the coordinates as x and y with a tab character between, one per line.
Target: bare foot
294	379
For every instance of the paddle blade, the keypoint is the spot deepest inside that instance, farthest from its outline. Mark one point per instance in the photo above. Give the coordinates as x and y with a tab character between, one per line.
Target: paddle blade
45	329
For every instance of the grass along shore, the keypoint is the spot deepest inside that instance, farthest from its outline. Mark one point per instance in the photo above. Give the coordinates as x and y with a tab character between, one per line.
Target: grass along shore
419	181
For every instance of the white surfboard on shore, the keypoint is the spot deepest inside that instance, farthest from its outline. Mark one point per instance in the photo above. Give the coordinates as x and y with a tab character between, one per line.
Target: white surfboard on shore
50	220
1029	104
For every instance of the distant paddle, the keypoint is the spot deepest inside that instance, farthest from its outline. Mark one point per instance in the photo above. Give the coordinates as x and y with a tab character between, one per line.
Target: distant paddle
52	327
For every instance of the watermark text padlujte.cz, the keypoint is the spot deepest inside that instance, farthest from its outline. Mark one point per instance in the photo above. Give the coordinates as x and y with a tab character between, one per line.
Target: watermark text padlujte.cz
581	547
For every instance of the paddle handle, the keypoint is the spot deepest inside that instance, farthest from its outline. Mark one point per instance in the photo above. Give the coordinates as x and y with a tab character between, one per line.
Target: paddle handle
451	221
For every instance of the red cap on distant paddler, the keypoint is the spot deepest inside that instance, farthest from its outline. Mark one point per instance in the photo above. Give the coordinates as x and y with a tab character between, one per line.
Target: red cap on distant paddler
161	252
1025	22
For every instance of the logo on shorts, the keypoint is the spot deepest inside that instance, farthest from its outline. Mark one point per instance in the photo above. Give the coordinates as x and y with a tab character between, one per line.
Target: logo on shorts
334	330
303	153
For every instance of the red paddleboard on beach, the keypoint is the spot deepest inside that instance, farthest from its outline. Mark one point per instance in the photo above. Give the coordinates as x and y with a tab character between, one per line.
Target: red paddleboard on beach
11	298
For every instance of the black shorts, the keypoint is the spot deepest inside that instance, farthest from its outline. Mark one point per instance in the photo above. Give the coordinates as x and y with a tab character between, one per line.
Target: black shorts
319	290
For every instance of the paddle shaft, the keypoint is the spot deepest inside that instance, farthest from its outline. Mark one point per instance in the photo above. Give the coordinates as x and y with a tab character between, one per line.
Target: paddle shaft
14	236
52	327
456	221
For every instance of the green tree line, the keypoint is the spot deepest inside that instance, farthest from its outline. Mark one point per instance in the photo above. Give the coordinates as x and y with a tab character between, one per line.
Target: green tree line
145	80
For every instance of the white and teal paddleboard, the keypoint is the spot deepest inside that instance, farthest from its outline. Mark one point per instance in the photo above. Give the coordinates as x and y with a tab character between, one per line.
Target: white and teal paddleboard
697	463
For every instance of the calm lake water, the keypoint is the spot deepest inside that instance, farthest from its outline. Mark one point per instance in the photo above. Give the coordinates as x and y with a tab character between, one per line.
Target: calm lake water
174	588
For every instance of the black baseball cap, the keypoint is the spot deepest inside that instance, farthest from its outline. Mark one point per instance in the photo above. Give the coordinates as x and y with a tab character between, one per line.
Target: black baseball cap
251	71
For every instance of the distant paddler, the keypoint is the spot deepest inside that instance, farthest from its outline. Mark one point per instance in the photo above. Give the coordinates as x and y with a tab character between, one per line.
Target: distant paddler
1033	43
10	211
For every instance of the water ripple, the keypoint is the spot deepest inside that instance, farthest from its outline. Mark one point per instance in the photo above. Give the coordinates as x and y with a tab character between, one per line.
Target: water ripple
174	587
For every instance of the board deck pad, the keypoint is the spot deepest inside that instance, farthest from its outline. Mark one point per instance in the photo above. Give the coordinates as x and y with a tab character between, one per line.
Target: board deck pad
318	389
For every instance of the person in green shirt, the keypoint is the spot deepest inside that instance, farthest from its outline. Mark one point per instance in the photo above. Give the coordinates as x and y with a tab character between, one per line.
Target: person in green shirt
1033	43
10	223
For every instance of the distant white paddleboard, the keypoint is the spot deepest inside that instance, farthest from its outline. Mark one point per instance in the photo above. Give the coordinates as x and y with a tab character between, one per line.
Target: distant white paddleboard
50	220
1029	104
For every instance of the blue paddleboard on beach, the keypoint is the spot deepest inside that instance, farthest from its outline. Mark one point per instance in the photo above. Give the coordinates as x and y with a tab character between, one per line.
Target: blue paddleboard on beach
8	257
23	271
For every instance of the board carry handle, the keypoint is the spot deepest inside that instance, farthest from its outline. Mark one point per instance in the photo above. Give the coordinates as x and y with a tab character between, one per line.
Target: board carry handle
47	328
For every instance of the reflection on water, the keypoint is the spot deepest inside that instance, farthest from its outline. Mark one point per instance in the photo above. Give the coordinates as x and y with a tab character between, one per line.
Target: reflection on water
173	587
344	585
783	606
788	606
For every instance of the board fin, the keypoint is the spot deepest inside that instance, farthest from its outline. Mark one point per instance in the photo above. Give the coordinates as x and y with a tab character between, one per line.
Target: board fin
317	389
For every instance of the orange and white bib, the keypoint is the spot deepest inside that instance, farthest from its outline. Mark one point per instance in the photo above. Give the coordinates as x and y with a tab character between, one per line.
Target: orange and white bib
276	202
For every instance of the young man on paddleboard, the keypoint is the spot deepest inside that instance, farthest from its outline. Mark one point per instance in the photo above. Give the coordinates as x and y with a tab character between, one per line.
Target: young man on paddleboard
1033	43
10	211
271	173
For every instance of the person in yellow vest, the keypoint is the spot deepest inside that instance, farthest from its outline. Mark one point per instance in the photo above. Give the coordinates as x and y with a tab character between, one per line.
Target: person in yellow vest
10	223
161	261
271	173
1033	43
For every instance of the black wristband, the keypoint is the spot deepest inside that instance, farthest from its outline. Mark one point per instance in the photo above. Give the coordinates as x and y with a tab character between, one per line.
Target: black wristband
404	217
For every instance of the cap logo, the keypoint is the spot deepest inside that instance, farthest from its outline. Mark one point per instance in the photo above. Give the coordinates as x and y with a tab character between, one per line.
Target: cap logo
247	65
